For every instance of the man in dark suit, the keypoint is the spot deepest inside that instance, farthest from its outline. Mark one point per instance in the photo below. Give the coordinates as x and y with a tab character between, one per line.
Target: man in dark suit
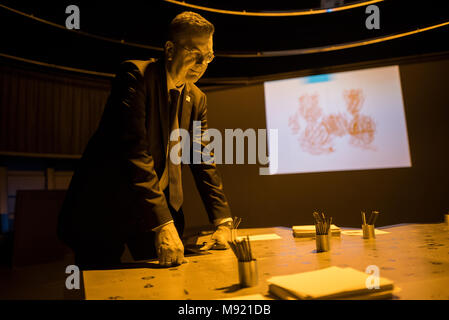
126	189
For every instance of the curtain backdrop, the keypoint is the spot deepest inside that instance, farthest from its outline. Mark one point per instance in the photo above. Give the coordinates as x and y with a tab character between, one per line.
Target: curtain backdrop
42	112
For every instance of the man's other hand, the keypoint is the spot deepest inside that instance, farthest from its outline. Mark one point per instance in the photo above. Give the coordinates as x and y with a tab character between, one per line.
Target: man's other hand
170	249
219	239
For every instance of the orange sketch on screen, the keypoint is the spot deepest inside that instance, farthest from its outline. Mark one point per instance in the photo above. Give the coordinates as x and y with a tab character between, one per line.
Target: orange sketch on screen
321	130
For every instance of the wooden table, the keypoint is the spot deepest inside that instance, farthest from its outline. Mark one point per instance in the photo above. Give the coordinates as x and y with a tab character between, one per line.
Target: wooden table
414	256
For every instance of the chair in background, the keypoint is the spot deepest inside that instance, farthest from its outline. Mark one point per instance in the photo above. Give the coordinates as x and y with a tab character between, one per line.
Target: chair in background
35	223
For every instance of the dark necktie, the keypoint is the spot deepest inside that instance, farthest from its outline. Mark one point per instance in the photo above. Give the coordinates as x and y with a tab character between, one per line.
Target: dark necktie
174	170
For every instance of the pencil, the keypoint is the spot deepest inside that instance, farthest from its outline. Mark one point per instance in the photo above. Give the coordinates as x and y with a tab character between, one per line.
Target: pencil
249	249
231	244
243	243
371	218
376	215
316	216
236	222
363	218
240	251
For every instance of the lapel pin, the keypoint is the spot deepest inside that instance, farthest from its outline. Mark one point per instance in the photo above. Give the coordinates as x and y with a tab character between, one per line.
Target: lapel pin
188	98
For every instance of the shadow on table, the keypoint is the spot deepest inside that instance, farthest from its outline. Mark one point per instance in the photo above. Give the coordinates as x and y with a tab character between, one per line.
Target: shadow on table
190	251
231	288
131	265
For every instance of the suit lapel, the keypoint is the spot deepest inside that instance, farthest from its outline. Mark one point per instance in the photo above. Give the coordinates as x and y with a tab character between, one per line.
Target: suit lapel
164	114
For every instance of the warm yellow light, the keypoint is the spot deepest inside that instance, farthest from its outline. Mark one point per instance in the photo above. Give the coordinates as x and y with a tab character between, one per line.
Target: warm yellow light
275	14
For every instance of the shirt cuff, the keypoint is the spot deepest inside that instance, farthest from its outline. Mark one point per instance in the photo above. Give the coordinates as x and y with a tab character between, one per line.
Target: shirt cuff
159	227
217	222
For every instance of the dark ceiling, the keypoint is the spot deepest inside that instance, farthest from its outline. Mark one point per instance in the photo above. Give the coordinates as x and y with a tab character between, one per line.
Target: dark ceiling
145	22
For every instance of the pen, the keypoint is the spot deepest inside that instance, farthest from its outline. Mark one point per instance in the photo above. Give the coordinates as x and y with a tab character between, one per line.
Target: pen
363	218
249	250
236	222
375	216
316	216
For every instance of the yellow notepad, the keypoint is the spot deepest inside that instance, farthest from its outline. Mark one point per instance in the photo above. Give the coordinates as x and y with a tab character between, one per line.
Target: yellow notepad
309	231
257	237
280	293
359	232
328	283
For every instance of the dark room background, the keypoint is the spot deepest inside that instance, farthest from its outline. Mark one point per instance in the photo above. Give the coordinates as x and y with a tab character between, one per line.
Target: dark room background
54	83
47	118
416	194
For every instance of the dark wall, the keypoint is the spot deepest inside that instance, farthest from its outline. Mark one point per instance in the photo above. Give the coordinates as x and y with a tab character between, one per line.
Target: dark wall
47	112
416	194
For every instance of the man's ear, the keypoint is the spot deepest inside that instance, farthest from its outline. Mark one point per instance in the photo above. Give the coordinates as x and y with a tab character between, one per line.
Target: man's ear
169	50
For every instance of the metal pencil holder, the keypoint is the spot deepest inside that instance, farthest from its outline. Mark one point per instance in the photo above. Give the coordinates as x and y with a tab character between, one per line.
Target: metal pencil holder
323	243
248	273
368	231
446	219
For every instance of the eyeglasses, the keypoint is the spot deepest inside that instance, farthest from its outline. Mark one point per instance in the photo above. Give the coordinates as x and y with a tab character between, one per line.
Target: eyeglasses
199	56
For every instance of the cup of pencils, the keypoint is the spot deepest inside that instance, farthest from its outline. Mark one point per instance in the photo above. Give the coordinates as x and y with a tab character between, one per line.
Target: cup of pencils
446	219
368	226
323	234
235	224
248	273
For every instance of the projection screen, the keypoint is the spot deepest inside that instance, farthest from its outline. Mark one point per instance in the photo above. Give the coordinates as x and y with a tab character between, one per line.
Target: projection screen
351	120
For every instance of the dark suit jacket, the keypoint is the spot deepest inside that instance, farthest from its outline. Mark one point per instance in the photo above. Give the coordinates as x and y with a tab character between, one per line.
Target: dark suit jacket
116	184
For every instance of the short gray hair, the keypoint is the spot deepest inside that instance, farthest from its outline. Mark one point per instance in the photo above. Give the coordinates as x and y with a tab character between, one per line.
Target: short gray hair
189	22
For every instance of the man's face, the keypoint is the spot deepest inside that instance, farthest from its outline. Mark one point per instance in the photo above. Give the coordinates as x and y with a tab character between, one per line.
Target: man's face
189	59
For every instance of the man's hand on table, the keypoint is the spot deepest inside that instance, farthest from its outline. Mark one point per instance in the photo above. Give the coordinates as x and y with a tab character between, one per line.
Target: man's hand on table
219	239
170	249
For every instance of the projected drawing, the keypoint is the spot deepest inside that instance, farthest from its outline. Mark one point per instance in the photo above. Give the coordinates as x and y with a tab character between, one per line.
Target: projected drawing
361	128
293	123
321	130
350	120
354	100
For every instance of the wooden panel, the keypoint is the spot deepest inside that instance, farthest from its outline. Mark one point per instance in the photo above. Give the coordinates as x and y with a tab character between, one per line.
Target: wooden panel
50	179
25	180
62	179
414	256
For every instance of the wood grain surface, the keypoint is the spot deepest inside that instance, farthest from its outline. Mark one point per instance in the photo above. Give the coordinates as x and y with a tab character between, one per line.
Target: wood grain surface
414	256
